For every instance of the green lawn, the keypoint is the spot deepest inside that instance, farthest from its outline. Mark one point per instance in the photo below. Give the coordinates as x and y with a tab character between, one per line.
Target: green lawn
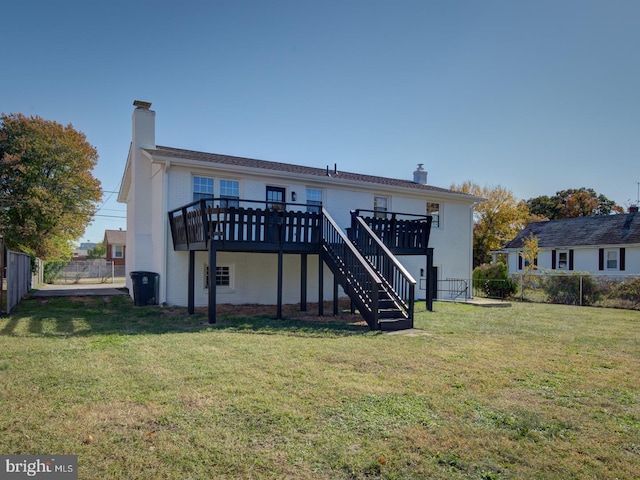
532	391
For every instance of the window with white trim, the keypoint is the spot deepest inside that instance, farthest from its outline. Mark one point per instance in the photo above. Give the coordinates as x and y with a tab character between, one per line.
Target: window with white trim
118	251
611	259
314	200
202	188
433	209
563	260
230	190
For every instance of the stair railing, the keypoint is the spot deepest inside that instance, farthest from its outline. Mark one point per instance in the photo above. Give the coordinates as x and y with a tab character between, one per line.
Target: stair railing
352	270
399	283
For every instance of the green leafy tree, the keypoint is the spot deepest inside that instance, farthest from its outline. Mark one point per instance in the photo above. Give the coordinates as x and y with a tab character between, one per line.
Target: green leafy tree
48	194
571	203
98	251
496	220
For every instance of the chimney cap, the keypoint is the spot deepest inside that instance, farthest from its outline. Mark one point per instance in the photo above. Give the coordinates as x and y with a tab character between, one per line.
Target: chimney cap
142	104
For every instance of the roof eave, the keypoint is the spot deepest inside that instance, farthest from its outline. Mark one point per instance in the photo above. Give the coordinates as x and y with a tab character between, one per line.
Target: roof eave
310	178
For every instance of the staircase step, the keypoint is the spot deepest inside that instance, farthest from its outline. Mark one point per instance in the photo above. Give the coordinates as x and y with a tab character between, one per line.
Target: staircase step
390	313
393	324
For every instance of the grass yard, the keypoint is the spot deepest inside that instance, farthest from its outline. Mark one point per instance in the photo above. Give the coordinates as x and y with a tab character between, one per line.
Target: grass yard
528	392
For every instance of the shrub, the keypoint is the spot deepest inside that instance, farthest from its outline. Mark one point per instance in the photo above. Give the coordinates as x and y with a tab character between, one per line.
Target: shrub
493	280
628	290
564	288
53	270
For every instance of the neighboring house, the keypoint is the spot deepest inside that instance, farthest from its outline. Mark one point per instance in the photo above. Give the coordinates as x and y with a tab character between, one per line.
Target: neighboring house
602	244
82	251
266	226
115	244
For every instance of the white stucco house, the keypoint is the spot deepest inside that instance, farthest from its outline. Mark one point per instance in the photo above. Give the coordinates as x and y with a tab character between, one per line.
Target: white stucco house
602	244
279	232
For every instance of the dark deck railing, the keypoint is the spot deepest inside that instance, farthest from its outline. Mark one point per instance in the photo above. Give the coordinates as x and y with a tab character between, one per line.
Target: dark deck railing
356	276
402	233
241	222
400	285
369	272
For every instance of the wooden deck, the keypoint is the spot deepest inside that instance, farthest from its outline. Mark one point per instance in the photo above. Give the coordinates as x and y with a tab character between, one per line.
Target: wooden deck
362	261
244	229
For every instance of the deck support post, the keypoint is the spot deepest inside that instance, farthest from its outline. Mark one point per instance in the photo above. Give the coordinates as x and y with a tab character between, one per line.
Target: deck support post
320	284
279	308
335	296
303	282
212	282
431	281
191	285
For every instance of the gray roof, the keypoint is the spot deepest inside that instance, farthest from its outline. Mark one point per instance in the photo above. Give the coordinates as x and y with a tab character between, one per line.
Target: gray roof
216	158
621	229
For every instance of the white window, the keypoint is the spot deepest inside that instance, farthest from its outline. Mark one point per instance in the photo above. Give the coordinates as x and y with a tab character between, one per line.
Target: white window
230	190
380	207
433	209
118	251
611	259
563	260
223	276
314	200
202	188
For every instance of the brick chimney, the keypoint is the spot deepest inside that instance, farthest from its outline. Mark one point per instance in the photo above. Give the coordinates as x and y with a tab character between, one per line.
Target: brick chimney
420	175
633	209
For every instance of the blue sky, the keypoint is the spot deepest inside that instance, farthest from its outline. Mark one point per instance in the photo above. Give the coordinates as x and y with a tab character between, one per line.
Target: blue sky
536	96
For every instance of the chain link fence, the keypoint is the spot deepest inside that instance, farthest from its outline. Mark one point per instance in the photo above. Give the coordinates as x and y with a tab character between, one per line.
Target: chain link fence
89	271
617	291
576	288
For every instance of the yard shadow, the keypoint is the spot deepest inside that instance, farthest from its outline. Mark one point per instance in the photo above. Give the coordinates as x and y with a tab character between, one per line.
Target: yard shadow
87	316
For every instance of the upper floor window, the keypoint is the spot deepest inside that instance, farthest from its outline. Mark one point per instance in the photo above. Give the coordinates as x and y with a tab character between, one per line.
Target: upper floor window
380	207
230	190
202	188
314	200
433	209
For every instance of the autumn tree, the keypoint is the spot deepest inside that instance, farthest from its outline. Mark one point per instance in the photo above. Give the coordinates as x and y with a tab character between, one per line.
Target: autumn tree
574	202
529	254
48	193
497	220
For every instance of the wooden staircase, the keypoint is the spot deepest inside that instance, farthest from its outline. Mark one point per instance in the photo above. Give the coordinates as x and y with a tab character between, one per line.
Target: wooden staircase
378	285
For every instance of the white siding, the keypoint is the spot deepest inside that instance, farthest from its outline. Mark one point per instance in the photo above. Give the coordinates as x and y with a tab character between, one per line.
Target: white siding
149	244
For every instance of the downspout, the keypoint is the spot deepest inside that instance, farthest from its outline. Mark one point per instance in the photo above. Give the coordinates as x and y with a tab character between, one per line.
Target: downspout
471	208
165	228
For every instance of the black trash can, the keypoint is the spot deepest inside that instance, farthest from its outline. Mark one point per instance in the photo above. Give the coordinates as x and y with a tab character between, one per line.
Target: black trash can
145	288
